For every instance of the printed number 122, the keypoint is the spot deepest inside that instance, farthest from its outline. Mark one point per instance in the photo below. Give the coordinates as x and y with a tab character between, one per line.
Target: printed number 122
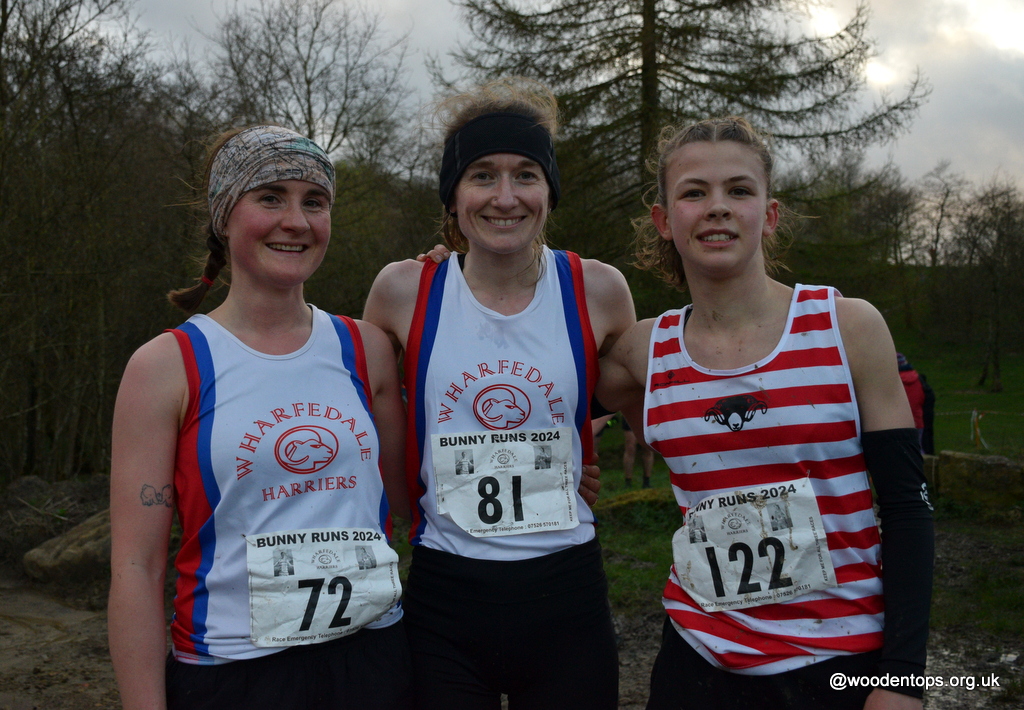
746	586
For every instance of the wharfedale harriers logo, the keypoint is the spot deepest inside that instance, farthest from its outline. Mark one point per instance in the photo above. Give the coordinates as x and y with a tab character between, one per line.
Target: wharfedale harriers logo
306	449
501	407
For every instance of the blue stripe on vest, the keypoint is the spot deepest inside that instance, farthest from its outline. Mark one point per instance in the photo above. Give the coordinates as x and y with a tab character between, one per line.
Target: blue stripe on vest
348	359
208	532
575	330
428	334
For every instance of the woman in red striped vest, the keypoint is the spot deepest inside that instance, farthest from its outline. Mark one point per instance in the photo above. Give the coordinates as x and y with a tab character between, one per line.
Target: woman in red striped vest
775	408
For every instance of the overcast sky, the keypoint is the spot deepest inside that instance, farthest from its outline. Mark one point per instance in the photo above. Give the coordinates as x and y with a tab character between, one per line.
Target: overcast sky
970	51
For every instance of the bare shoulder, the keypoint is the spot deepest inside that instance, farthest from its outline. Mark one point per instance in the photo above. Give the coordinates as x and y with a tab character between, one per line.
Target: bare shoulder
635	343
870	351
624	369
156	366
863	329
609	303
630	352
392	299
397	283
375	342
856	315
150	405
603	280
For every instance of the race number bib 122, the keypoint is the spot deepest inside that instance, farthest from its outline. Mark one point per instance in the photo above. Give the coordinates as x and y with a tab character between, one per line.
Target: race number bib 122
310	586
506	482
752	547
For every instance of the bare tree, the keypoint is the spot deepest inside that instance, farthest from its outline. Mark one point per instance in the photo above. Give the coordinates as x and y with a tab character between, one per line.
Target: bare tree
942	193
988	248
324	69
83	200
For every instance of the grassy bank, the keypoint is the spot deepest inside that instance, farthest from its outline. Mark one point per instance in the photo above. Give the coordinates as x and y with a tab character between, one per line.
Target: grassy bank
954	371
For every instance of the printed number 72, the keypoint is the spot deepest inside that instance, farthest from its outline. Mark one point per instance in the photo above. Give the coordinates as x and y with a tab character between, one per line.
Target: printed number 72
315	585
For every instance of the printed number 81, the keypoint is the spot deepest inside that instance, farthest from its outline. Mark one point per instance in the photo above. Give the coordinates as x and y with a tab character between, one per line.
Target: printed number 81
490	508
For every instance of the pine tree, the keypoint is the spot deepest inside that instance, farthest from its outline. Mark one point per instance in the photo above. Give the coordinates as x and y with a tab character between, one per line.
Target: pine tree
624	68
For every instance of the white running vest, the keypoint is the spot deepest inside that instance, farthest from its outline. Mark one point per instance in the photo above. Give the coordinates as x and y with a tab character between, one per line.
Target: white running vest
496	407
270	445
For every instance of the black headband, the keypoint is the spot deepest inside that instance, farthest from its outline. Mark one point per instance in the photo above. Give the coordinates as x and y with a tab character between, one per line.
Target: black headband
497	133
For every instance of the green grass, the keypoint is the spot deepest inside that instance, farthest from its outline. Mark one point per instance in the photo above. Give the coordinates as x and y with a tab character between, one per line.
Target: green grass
979	579
953	371
636	529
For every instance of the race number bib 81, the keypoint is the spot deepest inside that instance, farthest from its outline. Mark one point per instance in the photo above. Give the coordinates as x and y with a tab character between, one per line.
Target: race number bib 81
506	483
753	547
310	586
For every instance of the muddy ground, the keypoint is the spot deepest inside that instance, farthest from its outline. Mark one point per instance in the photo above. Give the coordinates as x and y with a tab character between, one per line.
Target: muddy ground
53	646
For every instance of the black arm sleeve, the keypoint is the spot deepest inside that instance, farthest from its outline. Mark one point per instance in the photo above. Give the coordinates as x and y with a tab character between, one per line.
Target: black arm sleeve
893	458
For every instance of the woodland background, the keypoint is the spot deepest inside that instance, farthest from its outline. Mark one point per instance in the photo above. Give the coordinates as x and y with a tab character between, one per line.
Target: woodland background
102	134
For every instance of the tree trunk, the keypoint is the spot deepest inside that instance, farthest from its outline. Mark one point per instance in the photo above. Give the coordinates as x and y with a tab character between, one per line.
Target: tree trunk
649	101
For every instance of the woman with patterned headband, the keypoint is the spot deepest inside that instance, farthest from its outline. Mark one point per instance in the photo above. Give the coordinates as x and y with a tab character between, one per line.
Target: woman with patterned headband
274	431
506	593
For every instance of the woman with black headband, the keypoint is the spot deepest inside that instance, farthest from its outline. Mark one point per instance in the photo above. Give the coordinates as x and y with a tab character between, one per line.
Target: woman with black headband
506	592
273	430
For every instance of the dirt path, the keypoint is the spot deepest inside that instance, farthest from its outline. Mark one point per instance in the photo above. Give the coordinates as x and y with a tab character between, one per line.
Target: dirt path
54	656
51	655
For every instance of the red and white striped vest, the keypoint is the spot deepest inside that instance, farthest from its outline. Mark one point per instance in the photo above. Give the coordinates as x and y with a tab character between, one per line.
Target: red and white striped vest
800	420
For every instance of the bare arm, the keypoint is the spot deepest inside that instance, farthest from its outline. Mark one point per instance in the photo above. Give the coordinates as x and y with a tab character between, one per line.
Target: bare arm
880	395
624	374
609	303
392	301
147	416
389	414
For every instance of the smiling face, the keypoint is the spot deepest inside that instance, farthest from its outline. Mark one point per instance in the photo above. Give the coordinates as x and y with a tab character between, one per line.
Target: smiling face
716	209
501	202
278	233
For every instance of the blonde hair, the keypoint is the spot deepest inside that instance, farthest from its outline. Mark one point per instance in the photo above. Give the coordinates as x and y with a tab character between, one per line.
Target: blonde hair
507	95
659	255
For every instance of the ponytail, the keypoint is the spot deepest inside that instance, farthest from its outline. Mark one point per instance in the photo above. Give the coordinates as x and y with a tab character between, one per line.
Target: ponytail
189	299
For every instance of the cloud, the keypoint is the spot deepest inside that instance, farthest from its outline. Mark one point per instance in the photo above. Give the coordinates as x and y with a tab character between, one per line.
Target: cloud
973	115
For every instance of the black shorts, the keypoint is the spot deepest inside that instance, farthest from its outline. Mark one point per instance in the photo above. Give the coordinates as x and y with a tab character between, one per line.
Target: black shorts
538	630
681	678
369	670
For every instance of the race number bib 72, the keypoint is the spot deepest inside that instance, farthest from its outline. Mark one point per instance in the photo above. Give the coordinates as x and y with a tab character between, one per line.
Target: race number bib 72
753	547
310	586
506	483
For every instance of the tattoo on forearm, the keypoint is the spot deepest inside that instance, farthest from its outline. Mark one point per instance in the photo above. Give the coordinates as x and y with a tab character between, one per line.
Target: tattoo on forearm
152	496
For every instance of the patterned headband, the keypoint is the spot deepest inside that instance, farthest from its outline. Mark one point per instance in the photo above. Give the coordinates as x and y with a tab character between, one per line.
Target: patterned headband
258	156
